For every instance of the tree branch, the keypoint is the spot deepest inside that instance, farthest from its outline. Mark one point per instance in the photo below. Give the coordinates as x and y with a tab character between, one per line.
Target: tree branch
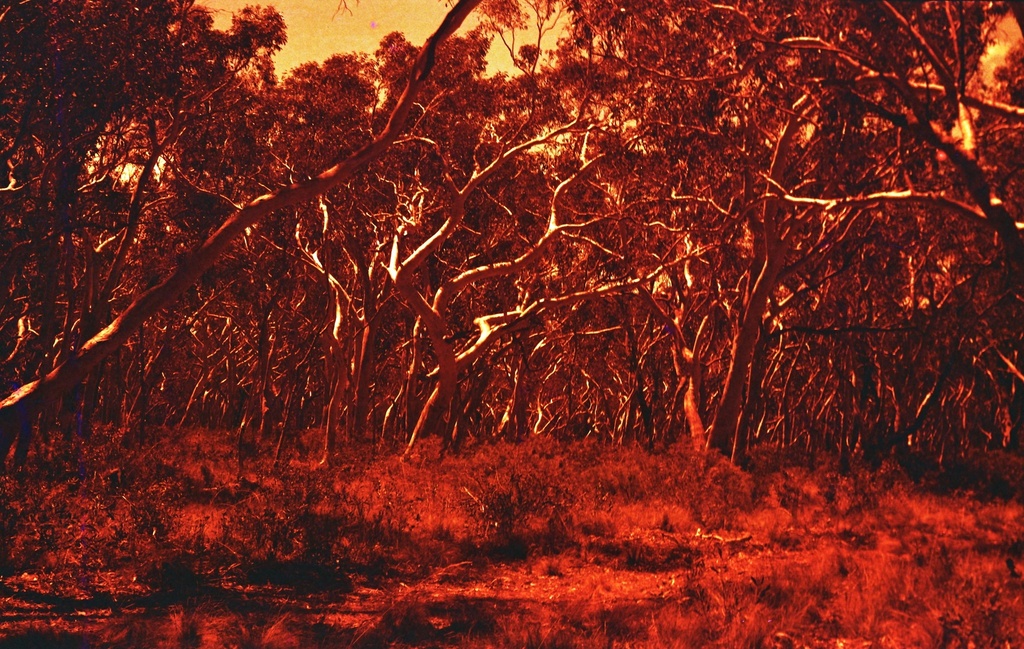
18	408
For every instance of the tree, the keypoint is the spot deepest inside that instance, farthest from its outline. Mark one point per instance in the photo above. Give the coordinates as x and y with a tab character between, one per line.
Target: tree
791	200
17	410
786	224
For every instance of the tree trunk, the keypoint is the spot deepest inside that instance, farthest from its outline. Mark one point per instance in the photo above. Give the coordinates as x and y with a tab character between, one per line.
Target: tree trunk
365	369
365	362
337	377
725	426
437	409
17	410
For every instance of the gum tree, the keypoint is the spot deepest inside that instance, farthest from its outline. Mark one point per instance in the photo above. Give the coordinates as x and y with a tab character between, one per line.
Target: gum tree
18	410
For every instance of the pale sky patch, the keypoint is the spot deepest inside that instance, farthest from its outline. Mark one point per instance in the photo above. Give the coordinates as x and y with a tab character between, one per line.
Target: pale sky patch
1006	36
318	29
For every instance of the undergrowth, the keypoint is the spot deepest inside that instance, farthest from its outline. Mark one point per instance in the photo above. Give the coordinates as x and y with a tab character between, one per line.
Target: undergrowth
517	545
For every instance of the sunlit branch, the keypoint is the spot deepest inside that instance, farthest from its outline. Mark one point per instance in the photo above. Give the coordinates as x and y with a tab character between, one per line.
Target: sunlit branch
973	214
30	397
1011	366
492	326
458	208
989	106
452	289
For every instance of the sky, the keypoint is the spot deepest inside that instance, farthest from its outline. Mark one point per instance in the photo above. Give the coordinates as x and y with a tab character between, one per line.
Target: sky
319	28
1007	34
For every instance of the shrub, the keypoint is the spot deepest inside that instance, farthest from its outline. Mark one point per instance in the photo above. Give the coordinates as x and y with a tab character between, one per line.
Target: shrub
727	491
522	499
991	474
44	638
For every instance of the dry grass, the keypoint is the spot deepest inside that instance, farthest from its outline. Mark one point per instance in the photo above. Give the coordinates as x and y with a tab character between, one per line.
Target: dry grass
532	545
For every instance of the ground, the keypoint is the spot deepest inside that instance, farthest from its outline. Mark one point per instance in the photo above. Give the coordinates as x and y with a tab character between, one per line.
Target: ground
531	545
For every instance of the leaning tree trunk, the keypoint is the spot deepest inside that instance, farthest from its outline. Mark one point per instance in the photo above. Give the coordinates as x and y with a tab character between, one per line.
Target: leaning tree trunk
725	434
19	409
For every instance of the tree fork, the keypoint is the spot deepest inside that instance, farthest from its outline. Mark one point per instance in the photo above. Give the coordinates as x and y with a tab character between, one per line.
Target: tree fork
20	407
725	433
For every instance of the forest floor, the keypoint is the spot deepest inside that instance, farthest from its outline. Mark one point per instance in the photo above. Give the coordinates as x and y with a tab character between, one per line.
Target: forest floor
174	544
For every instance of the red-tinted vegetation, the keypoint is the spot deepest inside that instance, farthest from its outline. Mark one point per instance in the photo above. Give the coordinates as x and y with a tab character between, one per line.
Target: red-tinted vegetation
538	544
703	327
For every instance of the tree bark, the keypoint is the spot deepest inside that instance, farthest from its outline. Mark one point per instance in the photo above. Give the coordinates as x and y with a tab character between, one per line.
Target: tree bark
725	434
724	430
